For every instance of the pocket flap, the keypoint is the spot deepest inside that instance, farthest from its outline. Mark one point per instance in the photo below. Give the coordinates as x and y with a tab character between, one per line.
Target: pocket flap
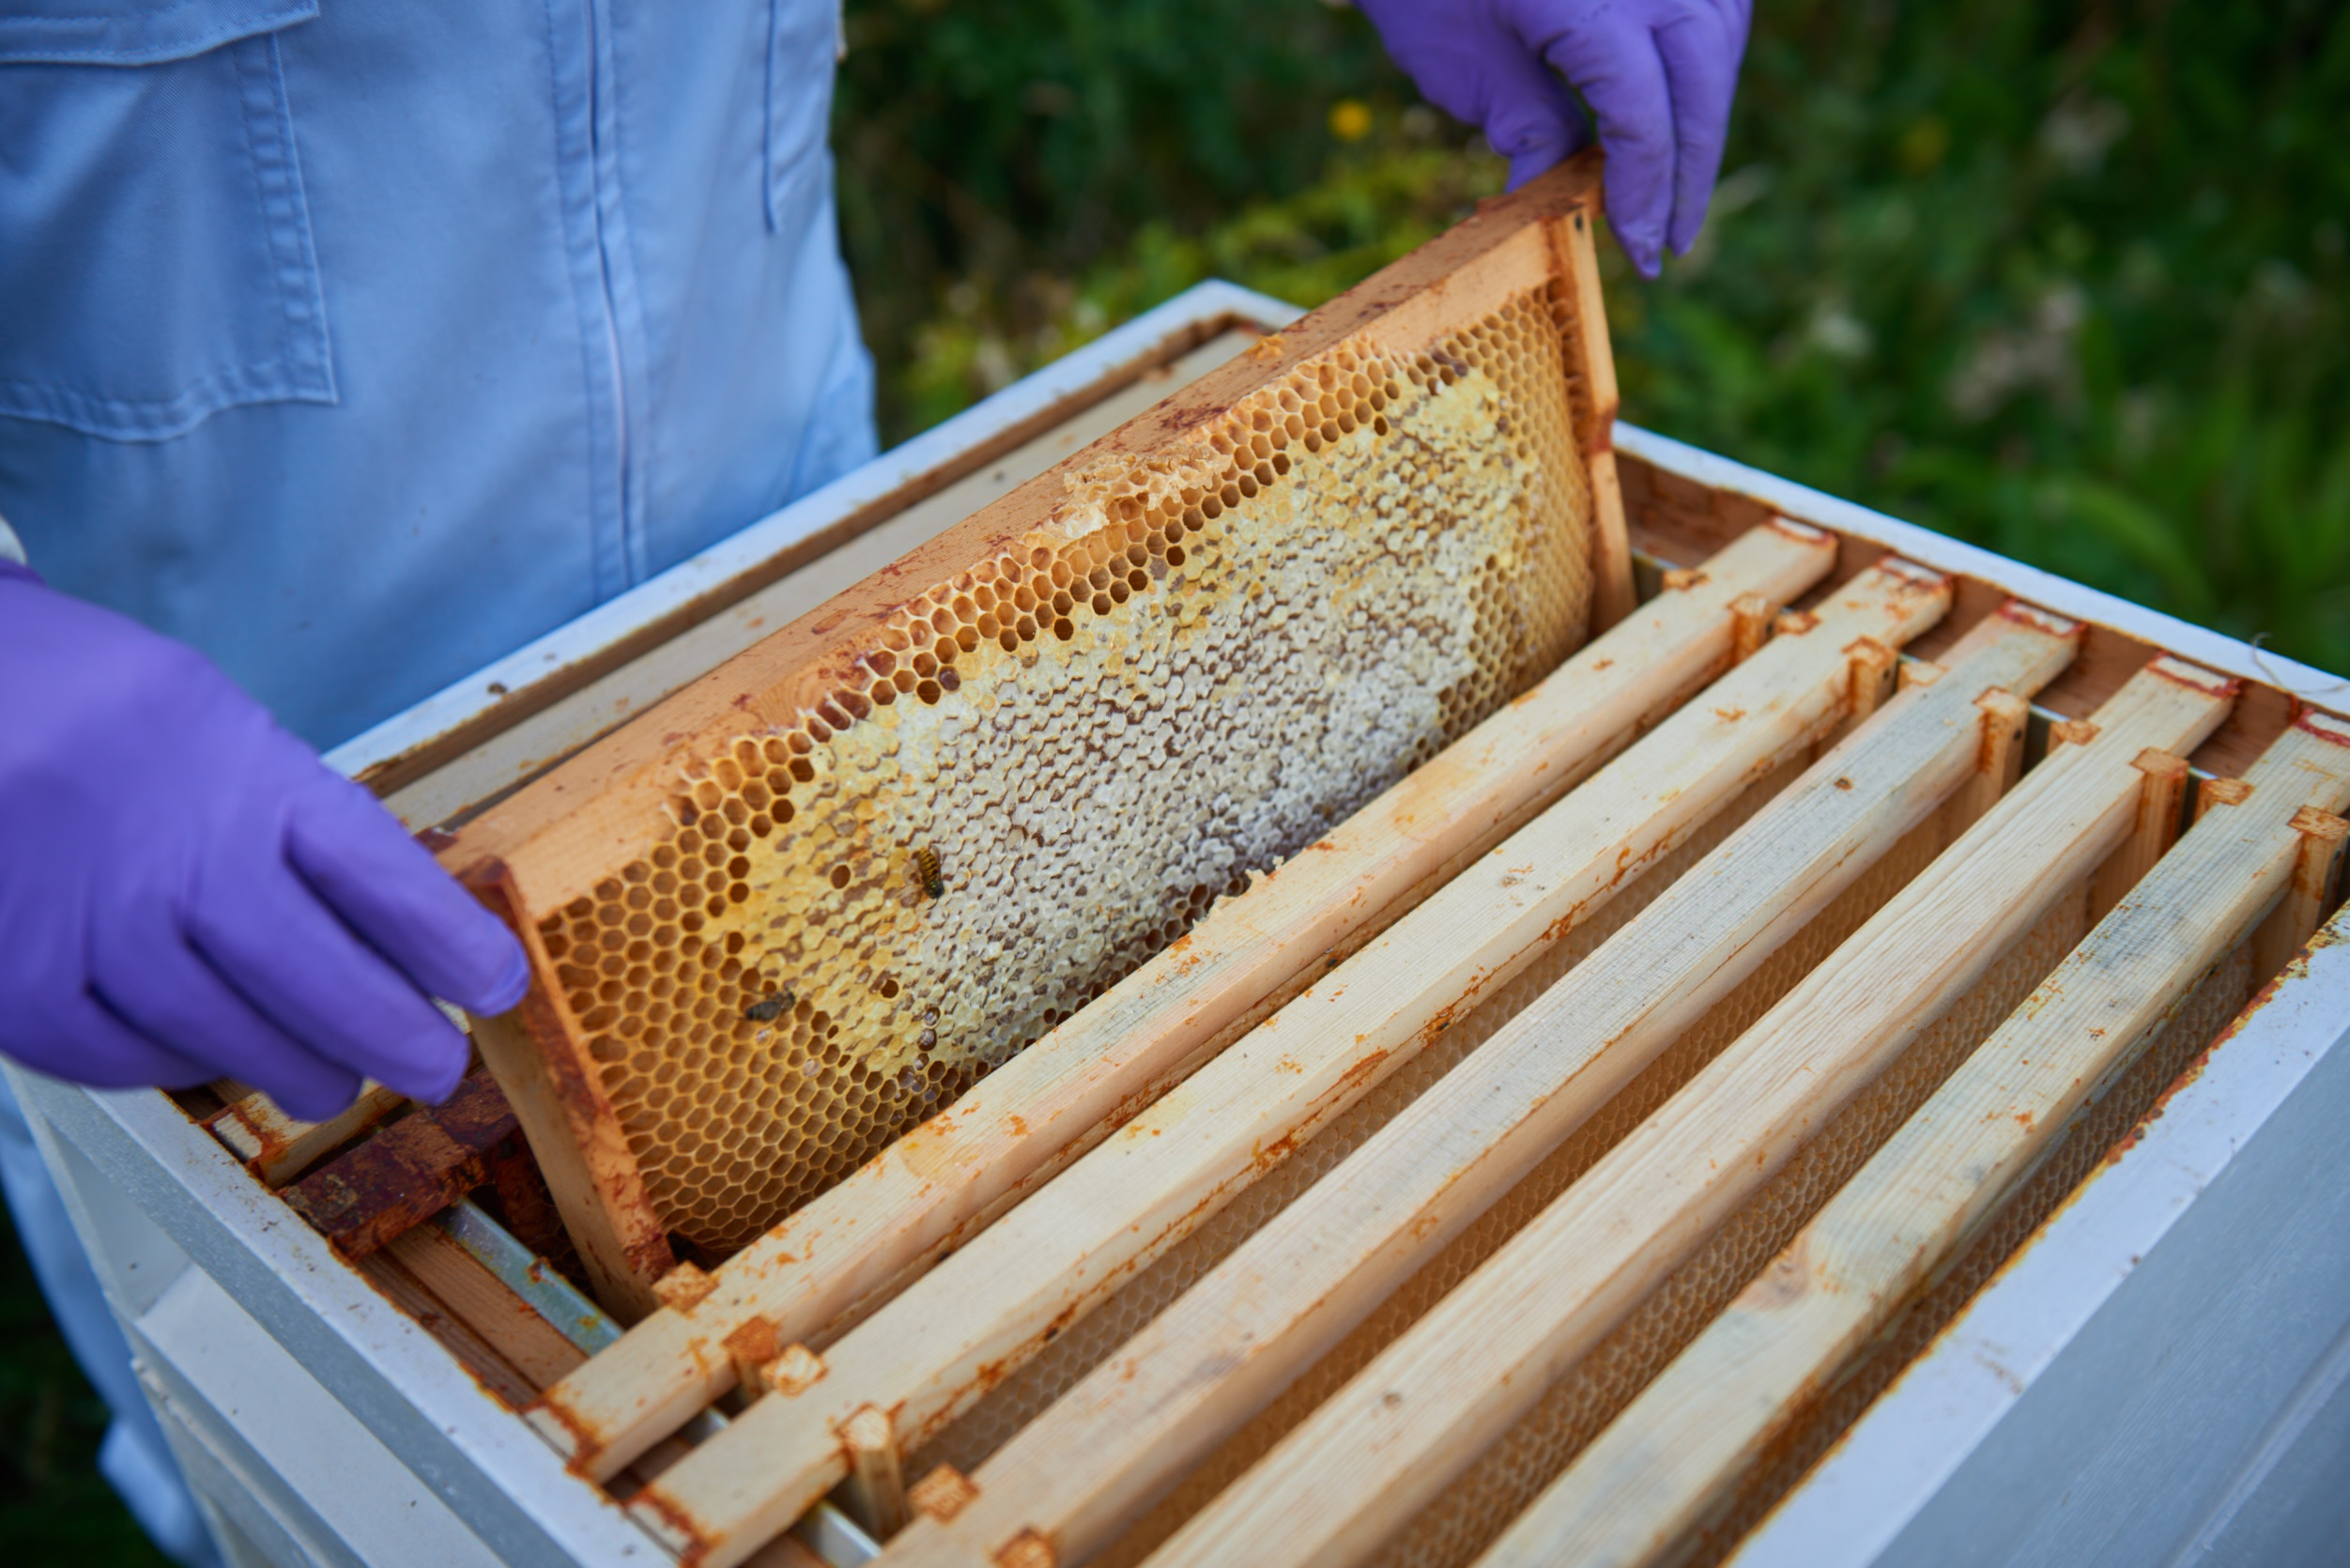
134	32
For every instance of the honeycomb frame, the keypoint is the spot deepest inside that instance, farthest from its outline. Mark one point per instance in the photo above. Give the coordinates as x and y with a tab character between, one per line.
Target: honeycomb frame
1357	541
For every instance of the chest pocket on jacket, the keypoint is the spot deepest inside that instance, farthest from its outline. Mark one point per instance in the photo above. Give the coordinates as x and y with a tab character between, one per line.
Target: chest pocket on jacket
155	247
804	43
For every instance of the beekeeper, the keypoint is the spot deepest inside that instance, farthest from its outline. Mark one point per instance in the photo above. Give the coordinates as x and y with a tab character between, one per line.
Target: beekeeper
345	347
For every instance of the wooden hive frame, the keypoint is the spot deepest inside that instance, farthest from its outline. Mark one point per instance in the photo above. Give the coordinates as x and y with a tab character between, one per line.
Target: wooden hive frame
1589	948
862	1402
844	1253
927	1355
598	843
1340	1248
2246	873
1459	1378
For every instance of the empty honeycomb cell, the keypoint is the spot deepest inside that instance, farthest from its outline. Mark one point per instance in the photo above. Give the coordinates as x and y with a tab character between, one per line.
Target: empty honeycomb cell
1206	661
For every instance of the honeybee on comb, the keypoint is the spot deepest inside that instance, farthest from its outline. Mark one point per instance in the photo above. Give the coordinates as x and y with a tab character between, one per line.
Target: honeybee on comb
926	871
769	1007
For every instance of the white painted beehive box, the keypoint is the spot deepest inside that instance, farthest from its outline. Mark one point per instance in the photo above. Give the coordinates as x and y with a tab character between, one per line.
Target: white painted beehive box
2153	1374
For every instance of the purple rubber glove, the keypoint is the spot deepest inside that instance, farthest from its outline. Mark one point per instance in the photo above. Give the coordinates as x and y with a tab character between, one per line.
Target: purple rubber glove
187	893
1658	73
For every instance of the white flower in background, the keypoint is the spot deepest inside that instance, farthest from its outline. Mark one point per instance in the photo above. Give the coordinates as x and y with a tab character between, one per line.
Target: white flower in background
2037	357
2079	131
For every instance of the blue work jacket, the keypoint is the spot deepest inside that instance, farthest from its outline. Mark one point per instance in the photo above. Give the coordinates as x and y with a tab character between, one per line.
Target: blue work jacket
359	341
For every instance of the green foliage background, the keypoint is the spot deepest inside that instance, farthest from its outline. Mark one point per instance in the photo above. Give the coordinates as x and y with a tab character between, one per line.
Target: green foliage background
55	1507
2067	279
2064	279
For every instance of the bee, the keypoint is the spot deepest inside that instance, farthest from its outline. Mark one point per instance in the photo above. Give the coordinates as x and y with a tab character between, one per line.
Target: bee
769	1007
926	870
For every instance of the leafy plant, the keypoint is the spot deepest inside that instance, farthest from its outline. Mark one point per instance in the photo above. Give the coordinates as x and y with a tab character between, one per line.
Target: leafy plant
55	1507
2062	279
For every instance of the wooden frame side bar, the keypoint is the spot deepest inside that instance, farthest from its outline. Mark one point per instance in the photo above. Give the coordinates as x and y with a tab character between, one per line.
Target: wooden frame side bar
379	1189
1378	1450
1591	378
570	1125
2161	806
2312	892
277	1148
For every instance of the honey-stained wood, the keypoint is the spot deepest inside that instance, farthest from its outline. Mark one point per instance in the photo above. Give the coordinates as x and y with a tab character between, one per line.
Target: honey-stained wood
1373	1453
1085	1469
941	1181
2310	892
536	1052
874	1493
1678	1447
525	1205
408	1171
1591	382
277	1147
983	1312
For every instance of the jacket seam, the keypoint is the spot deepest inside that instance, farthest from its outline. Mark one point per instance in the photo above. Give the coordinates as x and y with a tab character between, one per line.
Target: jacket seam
606	550
284	215
225	30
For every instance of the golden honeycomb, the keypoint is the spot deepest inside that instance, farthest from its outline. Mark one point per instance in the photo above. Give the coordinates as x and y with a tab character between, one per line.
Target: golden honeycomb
1045	768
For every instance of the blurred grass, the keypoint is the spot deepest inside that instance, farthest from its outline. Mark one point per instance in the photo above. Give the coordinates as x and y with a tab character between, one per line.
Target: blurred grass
2065	280
55	1507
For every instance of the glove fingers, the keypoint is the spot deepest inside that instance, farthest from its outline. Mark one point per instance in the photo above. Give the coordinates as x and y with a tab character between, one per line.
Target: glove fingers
155	983
1623	77
359	859
1700	52
86	1043
50	1018
288	955
1530	117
